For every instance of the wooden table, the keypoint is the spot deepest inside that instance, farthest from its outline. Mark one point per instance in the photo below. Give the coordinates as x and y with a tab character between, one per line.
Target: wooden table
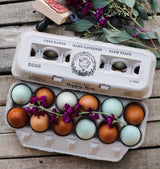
18	16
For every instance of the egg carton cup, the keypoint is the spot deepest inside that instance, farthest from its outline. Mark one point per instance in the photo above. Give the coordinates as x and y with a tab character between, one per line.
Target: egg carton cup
86	65
71	144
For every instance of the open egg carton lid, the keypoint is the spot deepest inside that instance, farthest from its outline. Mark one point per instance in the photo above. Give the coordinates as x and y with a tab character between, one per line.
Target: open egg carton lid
71	144
84	65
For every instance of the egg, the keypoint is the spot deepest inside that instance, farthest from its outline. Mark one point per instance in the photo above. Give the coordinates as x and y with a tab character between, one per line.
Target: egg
50	54
17	117
134	114
106	134
112	106
48	93
85	129
62	128
39	123
21	94
66	97
88	101
119	65
130	135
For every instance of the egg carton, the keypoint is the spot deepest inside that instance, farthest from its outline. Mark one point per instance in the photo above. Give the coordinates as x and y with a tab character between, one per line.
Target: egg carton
85	65
71	144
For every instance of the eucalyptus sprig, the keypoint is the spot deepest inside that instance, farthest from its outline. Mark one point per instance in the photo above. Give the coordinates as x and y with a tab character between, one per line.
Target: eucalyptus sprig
117	21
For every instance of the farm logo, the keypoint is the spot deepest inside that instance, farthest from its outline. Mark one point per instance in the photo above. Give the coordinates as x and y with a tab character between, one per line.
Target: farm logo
83	64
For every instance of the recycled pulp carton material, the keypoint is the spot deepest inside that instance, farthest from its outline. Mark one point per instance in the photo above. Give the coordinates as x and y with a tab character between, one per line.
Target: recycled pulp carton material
81	72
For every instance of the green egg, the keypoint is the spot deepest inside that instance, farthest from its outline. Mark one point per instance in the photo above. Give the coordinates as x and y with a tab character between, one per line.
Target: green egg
85	129
130	135
21	94
50	54
119	65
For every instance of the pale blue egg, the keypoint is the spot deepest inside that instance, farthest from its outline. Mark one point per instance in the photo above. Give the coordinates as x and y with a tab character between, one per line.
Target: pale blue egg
130	135
85	129
21	94
112	106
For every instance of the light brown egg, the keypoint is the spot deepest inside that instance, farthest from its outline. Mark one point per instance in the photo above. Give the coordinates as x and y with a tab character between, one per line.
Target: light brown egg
61	127
88	101
48	93
17	117
39	123
106	134
134	114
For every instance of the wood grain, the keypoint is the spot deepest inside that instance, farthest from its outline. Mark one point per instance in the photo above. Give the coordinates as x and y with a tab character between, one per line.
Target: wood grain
138	159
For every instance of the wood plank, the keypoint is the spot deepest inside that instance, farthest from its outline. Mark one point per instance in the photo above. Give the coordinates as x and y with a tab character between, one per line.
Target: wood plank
18	13
6	58
139	159
11	147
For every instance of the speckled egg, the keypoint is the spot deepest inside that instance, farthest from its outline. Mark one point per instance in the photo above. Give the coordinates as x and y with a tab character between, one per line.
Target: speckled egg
49	95
112	106
21	94
88	101
39	123
130	135
66	97
85	129
17	117
106	134
62	128
134	114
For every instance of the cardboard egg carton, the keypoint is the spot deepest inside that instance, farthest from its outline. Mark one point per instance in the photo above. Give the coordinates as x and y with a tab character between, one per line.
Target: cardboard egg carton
71	144
84	65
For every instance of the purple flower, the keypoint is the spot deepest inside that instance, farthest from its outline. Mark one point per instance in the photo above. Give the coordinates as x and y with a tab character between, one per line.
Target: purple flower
74	3
53	117
87	8
33	100
98	12
70	112
27	110
109	120
92	115
66	119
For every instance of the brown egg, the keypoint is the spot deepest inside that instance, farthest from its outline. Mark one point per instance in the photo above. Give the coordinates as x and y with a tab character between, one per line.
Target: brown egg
48	93
88	101
106	134
39	123
17	117
134	114
62	128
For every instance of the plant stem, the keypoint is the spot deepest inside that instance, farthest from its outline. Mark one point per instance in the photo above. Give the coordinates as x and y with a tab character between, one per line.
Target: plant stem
47	110
134	20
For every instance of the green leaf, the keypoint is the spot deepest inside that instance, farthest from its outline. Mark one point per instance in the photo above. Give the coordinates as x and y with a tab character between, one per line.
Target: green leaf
130	3
116	37
80	25
135	13
142	12
140	21
99	3
150	33
154	5
158	35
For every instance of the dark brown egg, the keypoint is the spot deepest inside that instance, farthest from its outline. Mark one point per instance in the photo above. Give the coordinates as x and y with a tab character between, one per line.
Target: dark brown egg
17	117
61	127
88	101
106	134
39	123
48	93
134	114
